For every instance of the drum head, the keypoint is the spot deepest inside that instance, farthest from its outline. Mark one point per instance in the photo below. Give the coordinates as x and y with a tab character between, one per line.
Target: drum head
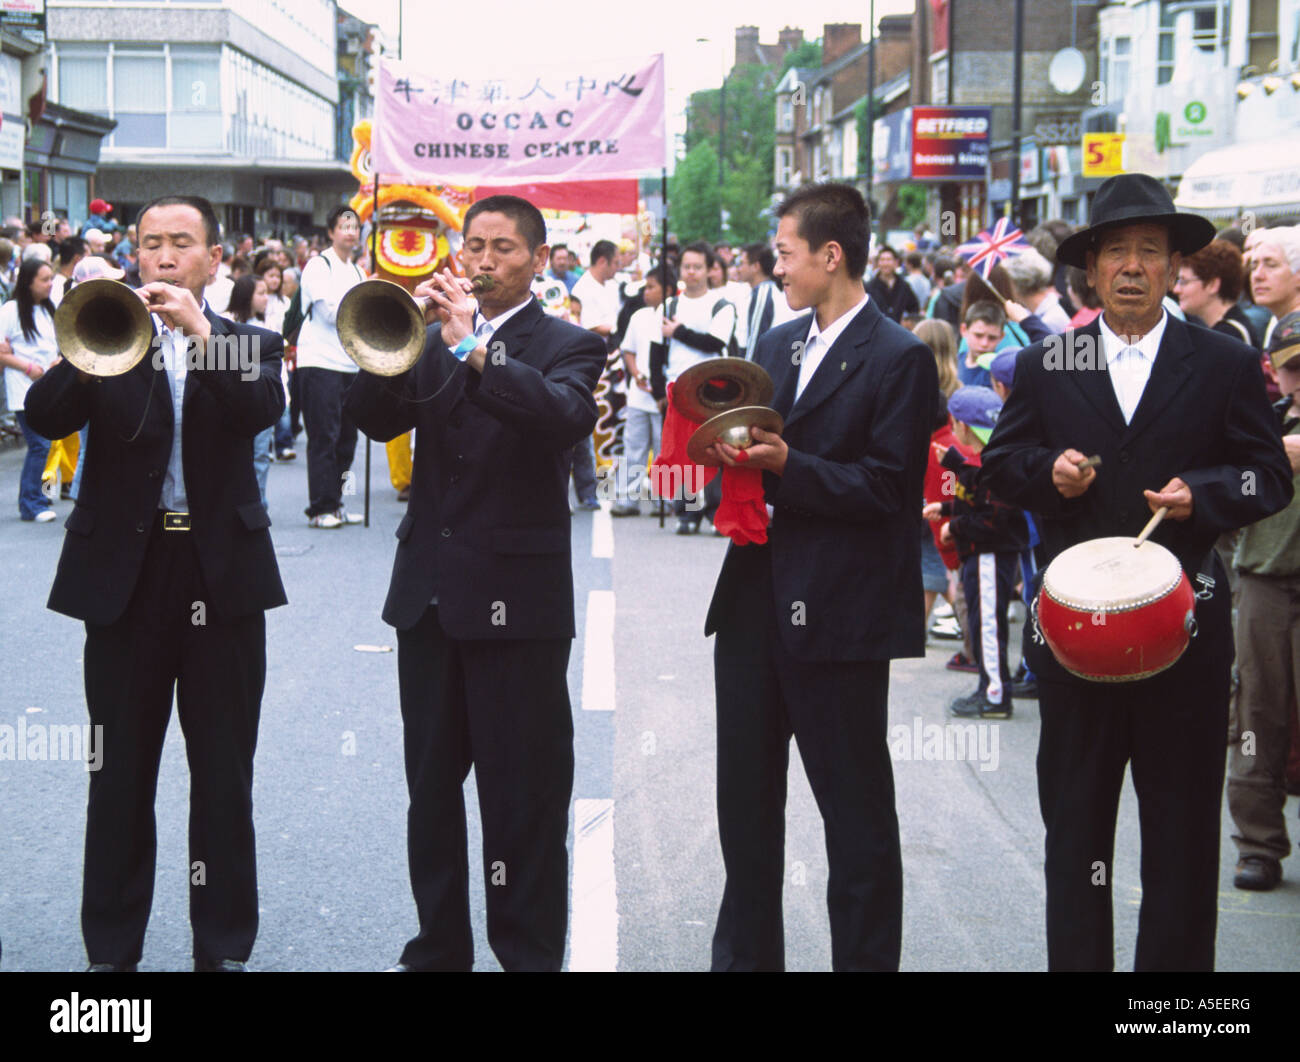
1111	574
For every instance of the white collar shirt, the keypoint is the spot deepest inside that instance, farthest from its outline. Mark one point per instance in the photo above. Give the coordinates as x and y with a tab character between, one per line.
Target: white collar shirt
485	329
174	498
819	342
1130	365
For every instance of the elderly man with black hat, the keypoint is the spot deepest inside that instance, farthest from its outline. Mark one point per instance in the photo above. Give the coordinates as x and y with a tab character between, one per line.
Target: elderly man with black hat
1179	418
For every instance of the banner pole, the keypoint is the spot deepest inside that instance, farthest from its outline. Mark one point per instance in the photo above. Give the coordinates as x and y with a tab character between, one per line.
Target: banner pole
663	287
374	271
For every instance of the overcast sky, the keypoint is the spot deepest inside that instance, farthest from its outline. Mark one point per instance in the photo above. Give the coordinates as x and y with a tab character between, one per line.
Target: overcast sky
516	34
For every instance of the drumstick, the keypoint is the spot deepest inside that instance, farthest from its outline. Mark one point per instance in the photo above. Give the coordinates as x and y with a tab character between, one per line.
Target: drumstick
1151	525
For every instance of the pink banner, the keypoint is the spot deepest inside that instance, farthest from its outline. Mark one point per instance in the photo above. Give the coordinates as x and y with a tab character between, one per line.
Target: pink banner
590	121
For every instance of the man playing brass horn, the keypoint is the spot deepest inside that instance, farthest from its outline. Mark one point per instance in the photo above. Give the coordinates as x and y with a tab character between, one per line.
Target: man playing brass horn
169	563
482	591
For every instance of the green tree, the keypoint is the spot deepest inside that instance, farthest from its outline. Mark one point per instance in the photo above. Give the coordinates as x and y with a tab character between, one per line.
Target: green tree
694	199
747	197
808	54
912	204
749	140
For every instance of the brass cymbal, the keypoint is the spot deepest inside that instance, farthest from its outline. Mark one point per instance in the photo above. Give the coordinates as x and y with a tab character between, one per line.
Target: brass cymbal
732	427
719	384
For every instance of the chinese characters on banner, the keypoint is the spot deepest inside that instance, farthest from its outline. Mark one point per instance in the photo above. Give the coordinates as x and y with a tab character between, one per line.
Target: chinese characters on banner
598	120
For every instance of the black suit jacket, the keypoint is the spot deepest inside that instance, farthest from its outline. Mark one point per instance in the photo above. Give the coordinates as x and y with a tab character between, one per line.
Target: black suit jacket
845	538
488	526
121	485
1203	417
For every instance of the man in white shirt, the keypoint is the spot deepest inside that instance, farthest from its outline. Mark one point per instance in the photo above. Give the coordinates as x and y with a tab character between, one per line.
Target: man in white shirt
766	306
643	423
698	325
598	294
325	372
71	251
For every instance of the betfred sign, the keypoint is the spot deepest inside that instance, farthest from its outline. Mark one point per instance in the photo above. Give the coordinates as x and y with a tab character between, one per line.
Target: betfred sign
951	143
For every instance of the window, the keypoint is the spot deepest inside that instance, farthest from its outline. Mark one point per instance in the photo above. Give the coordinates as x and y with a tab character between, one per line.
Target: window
140	99
69	194
1165	48
1261	37
196	100
83	79
786	112
1115	56
783	167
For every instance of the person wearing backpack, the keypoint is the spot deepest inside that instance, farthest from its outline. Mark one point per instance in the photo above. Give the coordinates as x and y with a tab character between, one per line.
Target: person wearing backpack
325	371
698	324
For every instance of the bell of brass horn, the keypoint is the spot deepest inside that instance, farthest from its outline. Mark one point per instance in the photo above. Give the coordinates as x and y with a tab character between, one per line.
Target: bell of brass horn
381	325
103	328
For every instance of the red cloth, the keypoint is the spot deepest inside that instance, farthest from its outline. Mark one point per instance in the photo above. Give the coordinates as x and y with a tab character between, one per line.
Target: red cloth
742	516
935	475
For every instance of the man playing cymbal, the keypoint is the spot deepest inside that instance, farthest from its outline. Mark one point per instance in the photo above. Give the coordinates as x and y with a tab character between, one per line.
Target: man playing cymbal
807	623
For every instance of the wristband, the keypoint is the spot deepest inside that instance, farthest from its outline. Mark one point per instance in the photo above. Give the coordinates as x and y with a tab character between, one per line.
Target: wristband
465	346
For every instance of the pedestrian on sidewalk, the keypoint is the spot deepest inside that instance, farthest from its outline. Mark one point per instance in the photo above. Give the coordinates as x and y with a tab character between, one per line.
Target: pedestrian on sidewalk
28	349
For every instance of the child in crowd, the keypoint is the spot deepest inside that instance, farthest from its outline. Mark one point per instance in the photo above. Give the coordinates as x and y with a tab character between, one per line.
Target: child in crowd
989	536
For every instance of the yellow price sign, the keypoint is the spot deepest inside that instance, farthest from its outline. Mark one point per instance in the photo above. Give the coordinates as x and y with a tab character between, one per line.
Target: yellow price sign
1103	154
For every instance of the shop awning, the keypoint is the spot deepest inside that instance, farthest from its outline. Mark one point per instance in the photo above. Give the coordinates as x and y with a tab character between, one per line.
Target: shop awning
1262	177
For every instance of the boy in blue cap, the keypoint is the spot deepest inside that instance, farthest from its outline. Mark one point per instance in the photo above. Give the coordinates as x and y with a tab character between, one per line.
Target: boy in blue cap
989	536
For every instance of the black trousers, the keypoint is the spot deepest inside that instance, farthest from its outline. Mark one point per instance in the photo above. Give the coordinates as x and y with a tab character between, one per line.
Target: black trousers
1172	730
218	669
502	706
331	436
838	714
988	581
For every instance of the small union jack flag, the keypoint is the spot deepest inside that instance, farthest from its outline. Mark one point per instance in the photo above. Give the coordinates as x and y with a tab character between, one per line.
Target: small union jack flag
989	248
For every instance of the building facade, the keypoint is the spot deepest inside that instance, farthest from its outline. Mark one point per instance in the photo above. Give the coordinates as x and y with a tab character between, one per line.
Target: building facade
1207	95
235	100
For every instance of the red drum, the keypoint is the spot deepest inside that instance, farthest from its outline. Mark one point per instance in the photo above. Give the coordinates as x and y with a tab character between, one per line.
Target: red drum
1113	612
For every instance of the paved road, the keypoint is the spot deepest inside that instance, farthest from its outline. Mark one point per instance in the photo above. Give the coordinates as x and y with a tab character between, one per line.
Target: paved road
330	796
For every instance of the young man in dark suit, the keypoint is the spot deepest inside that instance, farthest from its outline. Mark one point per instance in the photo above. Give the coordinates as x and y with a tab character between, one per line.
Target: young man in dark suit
169	563
482	591
1179	417
807	623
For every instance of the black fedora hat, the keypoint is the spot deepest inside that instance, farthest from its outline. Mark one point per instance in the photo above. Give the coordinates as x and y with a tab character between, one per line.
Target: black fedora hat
1135	199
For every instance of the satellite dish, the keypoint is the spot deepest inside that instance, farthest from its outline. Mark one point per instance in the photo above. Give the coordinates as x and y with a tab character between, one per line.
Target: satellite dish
1067	70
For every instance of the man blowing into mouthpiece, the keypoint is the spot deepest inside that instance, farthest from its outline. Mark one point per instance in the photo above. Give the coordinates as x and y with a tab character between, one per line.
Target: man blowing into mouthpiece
482	591
169	563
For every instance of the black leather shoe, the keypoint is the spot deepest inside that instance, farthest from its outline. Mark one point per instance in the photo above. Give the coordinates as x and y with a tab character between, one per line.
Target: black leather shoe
1027	688
220	966
1258	873
109	967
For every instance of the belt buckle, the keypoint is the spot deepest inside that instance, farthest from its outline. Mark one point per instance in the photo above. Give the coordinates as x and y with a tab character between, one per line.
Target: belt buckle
176	521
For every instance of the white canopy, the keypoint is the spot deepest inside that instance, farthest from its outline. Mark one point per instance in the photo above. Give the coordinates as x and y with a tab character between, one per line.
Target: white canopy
1263	176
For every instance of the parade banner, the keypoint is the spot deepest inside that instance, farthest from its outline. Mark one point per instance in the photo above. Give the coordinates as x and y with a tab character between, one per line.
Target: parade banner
598	120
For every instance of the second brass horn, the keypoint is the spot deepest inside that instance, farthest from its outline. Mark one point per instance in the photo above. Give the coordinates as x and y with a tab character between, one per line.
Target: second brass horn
381	325
103	328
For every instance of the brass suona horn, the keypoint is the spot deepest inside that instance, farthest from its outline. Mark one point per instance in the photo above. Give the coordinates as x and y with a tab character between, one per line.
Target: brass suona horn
381	325
103	328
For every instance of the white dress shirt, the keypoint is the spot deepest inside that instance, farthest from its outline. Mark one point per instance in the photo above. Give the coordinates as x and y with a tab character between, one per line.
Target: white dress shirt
174	498
1130	365
818	343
